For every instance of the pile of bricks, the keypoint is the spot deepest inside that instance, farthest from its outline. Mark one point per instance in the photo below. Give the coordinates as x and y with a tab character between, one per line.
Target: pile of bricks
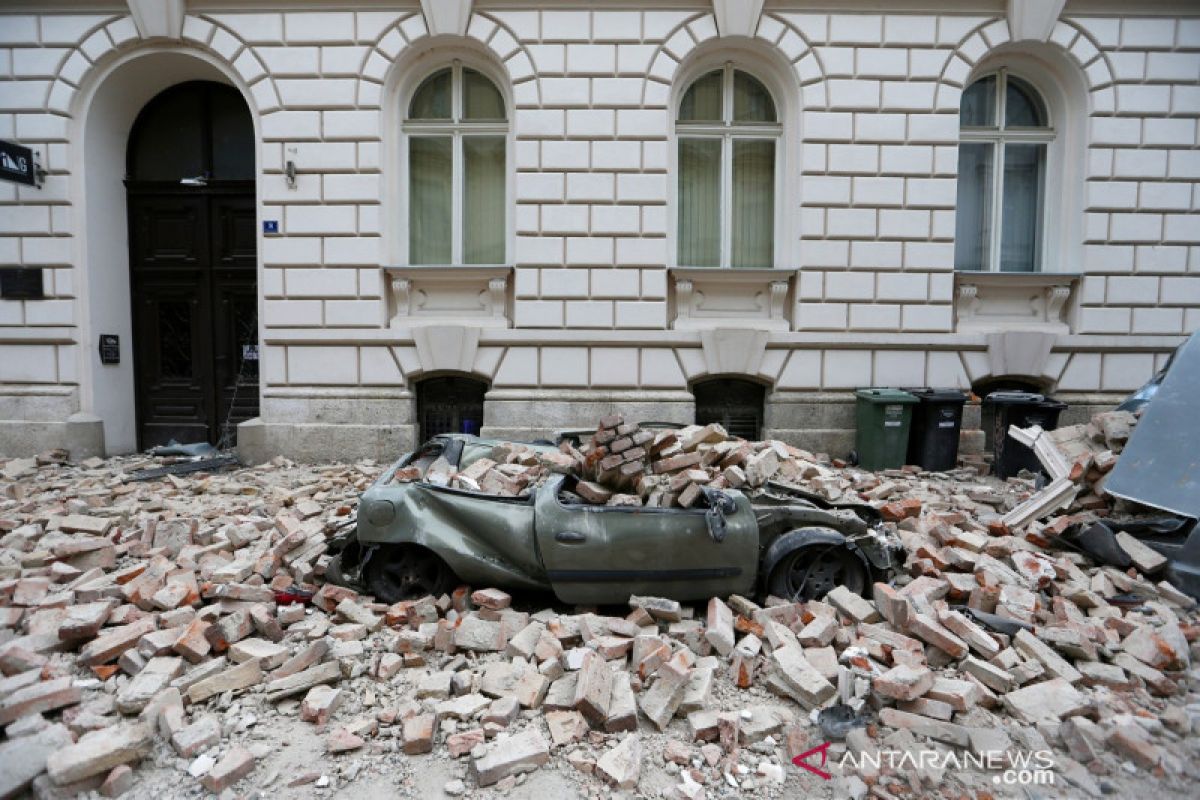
147	631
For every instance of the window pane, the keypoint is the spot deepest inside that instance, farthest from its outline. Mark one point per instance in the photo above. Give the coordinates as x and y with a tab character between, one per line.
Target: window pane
978	109
751	100
702	101
700	202
1021	212
429	199
432	98
483	200
973	219
1022	106
753	202
481	98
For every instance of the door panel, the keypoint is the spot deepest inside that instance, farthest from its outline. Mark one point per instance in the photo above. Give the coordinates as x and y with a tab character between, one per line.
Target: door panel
195	300
601	554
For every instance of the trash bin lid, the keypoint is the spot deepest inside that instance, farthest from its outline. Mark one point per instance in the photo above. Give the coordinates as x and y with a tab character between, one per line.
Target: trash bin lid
1014	398
928	395
885	396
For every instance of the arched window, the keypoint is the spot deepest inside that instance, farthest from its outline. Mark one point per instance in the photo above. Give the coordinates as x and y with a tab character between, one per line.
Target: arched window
1002	155
456	129
729	132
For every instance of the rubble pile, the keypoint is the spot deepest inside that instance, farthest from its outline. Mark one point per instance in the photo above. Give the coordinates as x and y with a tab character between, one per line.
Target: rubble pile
148	632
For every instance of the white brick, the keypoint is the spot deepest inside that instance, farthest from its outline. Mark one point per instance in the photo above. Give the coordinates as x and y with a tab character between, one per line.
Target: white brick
926	318
878	191
854	158
642	123
1181	67
566	26
1132	290
592	59
321	219
1157	320
352	250
908	95
565	91
288	313
564	155
883	255
822	316
285	61
1147	32
1183	291
1136	227
286	250
318	92
852	285
901	286
1126	371
564	283
537	122
641	188
352	313
589	314
828	126
537	314
321	282
539	250
615	219
617	91
565	366
590	123
1181	132
1116	130
1112	194
828	190
319	26
853	222
645	251
615	155
615	283
641	314
350	124
539	186
878	127
589	250
874	317
596	186
856	28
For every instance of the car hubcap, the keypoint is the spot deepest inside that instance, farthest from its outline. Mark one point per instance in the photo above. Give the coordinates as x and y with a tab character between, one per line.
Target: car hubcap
813	573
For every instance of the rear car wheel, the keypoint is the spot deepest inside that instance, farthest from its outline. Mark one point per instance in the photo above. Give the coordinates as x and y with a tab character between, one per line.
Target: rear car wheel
812	571
407	573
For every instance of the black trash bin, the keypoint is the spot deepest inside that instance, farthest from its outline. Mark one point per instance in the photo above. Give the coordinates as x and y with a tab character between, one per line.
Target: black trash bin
1021	409
936	422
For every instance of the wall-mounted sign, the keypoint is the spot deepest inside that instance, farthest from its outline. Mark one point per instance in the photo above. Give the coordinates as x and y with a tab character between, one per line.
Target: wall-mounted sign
16	164
110	348
21	283
270	226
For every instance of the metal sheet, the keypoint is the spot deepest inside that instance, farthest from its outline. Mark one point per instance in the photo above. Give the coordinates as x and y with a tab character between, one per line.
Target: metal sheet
1160	465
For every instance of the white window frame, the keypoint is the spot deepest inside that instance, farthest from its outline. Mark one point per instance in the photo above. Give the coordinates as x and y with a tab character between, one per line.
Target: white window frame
998	137
726	132
456	128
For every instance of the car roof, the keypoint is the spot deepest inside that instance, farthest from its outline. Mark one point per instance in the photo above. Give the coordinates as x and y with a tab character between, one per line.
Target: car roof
468	438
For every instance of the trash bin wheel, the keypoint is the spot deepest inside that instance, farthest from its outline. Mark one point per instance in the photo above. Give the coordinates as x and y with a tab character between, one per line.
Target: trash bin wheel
407	573
811	572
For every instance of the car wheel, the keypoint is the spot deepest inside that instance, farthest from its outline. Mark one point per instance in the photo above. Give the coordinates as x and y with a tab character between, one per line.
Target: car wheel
407	573
811	572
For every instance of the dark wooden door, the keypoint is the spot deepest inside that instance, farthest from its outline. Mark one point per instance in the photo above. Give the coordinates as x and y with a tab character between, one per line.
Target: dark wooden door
193	268
195	312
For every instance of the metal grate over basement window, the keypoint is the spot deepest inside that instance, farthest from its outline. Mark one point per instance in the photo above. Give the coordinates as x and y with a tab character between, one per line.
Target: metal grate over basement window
735	404
450	405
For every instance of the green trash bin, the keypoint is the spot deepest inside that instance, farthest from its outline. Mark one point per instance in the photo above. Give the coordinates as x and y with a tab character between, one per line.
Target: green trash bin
882	418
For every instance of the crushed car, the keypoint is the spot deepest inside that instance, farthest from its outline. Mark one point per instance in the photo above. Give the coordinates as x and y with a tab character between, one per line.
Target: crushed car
421	536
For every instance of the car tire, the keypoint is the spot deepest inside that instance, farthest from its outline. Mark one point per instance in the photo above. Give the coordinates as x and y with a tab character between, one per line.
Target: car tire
407	573
810	572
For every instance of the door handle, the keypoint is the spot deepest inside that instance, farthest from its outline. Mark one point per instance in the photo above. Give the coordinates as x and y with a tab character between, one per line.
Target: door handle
570	537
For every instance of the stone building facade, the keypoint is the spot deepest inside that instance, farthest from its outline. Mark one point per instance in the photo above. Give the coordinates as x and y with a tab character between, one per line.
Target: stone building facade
296	310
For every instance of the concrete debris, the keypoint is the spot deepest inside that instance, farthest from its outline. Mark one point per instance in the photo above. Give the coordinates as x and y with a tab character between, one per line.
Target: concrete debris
174	631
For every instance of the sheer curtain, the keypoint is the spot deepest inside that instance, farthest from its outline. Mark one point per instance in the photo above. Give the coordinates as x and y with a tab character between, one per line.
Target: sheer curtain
1020	228
973	220
699	202
483	199
430	168
753	203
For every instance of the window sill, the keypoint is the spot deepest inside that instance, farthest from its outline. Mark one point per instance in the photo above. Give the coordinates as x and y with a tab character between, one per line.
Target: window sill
716	297
449	295
988	302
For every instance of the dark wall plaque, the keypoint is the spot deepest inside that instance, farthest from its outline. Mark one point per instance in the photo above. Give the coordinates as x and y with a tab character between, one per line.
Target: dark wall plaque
16	164
110	348
21	283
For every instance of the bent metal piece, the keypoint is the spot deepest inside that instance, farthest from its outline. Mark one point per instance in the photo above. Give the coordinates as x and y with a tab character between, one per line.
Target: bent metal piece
1160	465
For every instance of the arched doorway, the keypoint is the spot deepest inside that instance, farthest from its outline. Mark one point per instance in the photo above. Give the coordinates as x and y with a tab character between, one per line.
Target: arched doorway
450	404
735	404
193	265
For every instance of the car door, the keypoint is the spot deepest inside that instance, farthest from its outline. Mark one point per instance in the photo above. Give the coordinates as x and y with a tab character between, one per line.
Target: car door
603	554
